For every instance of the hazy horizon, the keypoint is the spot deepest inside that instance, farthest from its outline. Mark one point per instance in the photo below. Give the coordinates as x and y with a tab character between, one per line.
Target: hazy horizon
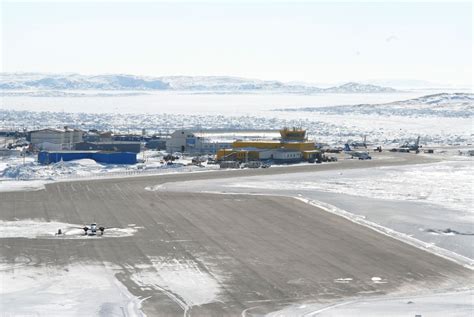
312	42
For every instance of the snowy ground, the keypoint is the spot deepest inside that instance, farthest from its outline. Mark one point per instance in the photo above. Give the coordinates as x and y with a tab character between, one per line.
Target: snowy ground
92	289
182	280
30	169
424	183
27	289
18	174
437	305
13	186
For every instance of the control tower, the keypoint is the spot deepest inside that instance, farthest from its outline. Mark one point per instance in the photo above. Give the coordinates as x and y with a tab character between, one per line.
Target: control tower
294	134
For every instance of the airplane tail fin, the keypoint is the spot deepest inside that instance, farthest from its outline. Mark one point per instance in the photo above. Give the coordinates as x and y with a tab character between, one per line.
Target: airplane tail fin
347	147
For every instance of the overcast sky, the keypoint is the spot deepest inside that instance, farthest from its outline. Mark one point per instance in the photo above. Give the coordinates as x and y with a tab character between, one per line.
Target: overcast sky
320	42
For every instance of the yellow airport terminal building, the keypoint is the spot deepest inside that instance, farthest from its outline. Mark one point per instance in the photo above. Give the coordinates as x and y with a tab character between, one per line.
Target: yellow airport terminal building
292	146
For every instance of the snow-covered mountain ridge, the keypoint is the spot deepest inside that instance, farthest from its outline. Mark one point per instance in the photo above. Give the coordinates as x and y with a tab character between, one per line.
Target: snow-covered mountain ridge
43	81
440	105
438	100
19	81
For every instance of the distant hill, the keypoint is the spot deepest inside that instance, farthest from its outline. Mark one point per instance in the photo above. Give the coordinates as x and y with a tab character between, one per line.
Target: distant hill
441	99
358	88
217	84
416	84
439	105
14	81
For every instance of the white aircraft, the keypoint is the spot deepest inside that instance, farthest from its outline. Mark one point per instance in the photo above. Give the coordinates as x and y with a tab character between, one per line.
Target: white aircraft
359	154
92	230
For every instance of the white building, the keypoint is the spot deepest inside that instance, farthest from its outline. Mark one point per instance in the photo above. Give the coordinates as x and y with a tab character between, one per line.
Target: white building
282	155
186	141
55	139
277	155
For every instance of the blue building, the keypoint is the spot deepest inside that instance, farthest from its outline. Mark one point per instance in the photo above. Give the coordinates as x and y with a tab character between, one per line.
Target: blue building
116	146
45	157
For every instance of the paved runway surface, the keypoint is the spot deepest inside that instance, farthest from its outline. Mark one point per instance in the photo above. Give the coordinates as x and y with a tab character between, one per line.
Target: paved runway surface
263	252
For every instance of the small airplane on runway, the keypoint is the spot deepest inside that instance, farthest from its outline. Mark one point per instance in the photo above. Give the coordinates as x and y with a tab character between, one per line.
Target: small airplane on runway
91	230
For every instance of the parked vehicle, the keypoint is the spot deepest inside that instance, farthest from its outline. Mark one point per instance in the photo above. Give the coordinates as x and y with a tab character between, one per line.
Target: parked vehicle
229	164
252	164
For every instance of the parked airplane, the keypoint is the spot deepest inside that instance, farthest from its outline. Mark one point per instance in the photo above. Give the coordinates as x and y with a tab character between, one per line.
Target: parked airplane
91	230
356	144
361	155
409	147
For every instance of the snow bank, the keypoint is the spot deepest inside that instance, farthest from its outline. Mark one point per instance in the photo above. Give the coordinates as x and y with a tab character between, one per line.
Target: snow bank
429	247
11	185
33	170
16	176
